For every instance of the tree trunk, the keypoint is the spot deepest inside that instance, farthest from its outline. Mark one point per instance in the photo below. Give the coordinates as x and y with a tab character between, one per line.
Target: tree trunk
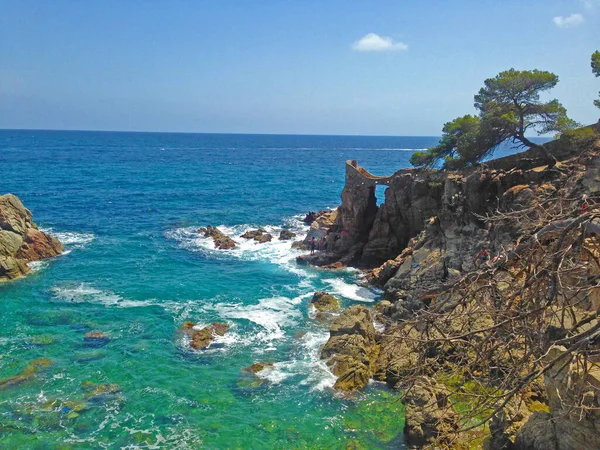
549	157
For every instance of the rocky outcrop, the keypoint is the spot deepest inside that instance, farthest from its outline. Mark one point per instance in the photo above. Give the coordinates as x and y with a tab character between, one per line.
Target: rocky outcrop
21	241
203	337
324	302
221	240
286	235
259	235
352	349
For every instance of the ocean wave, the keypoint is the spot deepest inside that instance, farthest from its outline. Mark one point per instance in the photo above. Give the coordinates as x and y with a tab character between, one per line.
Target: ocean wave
36	266
271	315
71	239
276	252
85	293
351	291
306	364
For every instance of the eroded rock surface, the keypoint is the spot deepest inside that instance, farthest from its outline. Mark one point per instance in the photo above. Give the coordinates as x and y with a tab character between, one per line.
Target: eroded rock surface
352	349
21	241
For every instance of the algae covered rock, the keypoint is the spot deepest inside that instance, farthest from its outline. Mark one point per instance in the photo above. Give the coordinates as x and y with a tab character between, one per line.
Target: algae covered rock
20	239
28	372
100	392
352	349
324	302
95	339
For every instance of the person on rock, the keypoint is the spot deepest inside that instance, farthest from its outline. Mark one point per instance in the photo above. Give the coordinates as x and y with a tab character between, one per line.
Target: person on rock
313	245
482	257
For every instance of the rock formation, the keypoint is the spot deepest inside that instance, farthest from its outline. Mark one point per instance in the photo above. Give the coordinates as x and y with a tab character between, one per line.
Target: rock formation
21	241
352	350
259	235
464	258
324	302
202	338
286	235
221	240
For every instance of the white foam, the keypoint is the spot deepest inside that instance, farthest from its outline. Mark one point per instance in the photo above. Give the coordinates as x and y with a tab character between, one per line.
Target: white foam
307	364
36	266
351	291
270	314
276	252
70	239
84	293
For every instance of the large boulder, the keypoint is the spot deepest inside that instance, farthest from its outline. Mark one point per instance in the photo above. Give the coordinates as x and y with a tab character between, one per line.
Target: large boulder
352	349
429	414
20	239
538	433
324	302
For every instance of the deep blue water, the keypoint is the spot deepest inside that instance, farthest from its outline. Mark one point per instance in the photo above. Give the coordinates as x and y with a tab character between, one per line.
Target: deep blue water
127	206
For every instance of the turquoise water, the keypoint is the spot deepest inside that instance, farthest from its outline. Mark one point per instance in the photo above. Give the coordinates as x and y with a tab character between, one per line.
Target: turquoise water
126	205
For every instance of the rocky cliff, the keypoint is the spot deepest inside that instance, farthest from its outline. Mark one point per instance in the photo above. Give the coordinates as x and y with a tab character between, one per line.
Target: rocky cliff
492	283
20	239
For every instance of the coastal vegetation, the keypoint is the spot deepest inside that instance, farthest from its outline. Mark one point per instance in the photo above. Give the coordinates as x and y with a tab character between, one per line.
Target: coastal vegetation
509	106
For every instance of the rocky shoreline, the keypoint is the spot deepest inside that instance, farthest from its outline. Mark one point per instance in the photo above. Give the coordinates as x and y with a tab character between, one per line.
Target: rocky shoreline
21	241
463	261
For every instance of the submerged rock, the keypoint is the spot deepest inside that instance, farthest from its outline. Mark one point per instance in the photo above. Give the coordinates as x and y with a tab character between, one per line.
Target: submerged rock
20	239
286	235
100	392
324	302
249	380
258	366
95	339
220	239
28	372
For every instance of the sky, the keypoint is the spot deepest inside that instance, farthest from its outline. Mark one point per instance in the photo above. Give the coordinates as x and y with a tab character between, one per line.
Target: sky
374	67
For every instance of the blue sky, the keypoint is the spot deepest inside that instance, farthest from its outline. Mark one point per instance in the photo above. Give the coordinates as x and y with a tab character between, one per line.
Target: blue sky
398	67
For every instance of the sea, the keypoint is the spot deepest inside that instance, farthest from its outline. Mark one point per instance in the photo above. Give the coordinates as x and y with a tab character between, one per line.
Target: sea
127	206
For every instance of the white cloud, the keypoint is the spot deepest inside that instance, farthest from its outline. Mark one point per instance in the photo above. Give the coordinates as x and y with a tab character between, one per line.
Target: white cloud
589	4
374	43
568	21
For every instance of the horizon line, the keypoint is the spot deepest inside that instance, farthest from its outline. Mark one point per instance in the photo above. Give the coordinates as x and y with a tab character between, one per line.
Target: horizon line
208	133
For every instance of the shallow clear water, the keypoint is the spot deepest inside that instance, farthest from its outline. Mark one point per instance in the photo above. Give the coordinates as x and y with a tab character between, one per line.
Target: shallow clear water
126	205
